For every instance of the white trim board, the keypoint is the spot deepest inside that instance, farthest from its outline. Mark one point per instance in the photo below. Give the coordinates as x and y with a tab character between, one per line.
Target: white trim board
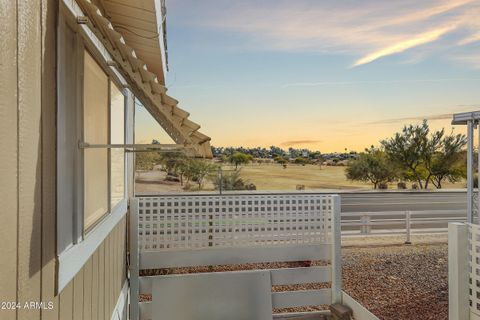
359	311
282	276
71	261
120	311
214	256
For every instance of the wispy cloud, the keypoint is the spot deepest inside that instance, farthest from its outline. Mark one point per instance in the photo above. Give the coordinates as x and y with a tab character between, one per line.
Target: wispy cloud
299	142
404	45
340	83
469	105
318	83
470	59
430	117
370	30
443	116
470	39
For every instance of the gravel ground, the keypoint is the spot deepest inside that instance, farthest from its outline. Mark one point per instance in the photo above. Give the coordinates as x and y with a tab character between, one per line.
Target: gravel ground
399	282
392	240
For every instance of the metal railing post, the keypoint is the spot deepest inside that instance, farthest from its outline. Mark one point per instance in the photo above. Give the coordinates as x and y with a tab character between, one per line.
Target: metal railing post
407	226
363	227
470	171
458	275
336	252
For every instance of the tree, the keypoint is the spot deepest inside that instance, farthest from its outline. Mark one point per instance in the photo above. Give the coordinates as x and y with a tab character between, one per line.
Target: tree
371	166
146	160
198	170
231	181
413	147
277	152
426	157
449	162
183	168
301	160
281	160
239	158
171	160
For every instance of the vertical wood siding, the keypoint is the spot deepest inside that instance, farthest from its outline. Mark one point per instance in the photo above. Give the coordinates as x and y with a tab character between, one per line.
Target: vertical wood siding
100	281
49	88
29	62
27	171
9	155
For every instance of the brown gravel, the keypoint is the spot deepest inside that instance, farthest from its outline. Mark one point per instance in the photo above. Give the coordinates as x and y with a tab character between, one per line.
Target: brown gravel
223	268
400	282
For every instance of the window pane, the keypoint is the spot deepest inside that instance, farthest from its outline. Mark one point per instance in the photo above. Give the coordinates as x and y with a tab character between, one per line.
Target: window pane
95	117
117	136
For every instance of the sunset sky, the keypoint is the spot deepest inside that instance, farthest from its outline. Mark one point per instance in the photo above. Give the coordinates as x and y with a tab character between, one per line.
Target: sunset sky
325	75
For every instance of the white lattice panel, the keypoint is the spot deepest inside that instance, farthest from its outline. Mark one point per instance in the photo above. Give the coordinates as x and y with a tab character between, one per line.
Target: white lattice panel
224	221
474	267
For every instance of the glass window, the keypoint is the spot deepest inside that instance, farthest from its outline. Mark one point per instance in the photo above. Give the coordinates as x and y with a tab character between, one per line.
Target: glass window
117	136
95	119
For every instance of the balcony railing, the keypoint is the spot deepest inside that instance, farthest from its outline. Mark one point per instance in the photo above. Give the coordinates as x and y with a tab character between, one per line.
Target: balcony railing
203	230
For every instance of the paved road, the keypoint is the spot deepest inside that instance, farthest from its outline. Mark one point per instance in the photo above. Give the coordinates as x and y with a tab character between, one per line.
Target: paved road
369	201
403	201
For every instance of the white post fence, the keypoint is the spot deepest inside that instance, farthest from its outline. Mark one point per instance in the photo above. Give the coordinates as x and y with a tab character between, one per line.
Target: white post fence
407	226
399	222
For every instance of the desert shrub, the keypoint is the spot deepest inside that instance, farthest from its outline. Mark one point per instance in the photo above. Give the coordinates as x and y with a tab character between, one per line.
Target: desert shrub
232	181
250	186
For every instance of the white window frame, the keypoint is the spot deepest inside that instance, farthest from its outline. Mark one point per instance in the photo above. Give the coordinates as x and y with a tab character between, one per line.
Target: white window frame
74	245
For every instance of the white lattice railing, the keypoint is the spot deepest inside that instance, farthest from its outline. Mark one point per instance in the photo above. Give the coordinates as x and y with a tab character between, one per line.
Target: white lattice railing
231	221
204	230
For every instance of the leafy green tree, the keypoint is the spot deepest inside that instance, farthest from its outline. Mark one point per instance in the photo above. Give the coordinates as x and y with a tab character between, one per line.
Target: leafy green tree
449	162
146	160
183	168
198	170
371	166
281	160
426	157
240	158
171	160
410	148
302	161
277	152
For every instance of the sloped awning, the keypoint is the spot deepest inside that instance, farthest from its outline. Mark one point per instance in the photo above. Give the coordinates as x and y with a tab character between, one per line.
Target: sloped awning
145	85
142	24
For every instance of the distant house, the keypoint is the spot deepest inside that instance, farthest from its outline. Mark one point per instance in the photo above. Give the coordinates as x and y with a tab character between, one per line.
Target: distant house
71	71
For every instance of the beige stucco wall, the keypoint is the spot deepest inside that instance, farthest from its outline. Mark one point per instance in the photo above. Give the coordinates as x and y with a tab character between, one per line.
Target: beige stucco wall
27	179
